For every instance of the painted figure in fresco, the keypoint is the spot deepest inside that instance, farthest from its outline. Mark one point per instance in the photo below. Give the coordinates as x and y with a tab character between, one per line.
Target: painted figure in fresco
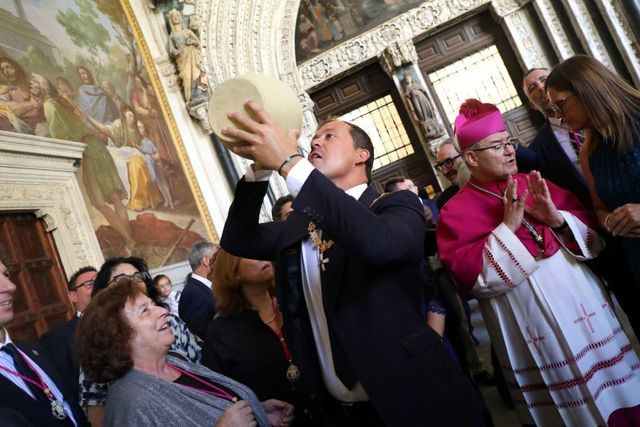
99	173
420	106
67	91
14	77
317	14
21	103
129	160
155	164
108	88
184	48
343	13
93	100
146	109
308	42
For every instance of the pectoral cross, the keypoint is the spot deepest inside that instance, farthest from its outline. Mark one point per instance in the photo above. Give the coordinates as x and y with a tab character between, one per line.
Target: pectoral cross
315	234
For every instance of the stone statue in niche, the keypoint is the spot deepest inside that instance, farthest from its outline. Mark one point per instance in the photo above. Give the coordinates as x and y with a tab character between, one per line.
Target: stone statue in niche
420	107
184	48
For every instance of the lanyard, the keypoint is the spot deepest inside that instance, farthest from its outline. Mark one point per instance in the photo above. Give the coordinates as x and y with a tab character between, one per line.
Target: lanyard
218	392
57	408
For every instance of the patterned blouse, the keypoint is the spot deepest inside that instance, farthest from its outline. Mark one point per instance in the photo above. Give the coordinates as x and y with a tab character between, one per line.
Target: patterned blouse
186	346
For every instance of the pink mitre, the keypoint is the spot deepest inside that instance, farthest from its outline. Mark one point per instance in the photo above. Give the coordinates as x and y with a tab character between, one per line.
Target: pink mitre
476	121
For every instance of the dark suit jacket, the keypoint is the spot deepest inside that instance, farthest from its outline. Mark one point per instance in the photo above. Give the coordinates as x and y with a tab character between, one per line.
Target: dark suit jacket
196	307
59	347
547	156
14	398
372	295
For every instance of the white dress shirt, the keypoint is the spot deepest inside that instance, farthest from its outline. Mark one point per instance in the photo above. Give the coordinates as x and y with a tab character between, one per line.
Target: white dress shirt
201	279
312	287
7	362
564	139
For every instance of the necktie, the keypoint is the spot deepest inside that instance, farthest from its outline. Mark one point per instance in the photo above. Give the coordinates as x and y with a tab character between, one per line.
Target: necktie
24	369
576	142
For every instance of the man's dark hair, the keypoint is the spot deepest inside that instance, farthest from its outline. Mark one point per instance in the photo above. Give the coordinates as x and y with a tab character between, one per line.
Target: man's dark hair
276	210
392	185
71	286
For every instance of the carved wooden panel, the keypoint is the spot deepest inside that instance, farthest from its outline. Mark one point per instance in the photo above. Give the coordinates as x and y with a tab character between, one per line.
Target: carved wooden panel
28	251
351	92
519	124
452	44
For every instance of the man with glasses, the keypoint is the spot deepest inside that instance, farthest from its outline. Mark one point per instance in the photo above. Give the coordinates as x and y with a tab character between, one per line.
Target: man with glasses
449	161
514	241
554	151
59	343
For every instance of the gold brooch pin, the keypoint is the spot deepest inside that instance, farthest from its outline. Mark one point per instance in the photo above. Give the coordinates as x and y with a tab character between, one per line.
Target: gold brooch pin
315	234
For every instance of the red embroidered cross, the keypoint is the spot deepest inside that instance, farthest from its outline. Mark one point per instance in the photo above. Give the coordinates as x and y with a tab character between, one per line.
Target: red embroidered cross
586	316
534	340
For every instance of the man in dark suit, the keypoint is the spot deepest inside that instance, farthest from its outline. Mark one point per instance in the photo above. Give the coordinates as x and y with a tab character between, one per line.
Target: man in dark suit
197	305
555	154
348	279
58	344
29	386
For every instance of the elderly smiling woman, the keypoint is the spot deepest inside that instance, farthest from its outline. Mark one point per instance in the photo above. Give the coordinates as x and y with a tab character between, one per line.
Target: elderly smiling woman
124	337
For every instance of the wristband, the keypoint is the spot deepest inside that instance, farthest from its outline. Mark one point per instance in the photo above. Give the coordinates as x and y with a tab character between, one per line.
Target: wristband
287	160
560	229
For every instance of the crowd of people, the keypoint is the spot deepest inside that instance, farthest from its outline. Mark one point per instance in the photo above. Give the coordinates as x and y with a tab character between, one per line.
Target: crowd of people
351	307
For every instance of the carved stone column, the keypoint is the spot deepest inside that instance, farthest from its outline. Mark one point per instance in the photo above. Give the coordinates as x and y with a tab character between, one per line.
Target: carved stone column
619	27
400	61
522	35
586	30
554	28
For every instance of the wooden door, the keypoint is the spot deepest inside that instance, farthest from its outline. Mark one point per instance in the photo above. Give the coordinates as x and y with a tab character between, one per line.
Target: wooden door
28	251
367	85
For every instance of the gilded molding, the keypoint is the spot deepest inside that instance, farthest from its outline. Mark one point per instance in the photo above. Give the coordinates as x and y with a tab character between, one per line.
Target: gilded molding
170	120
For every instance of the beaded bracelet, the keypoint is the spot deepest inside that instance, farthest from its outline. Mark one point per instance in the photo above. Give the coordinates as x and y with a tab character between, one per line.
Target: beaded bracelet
287	160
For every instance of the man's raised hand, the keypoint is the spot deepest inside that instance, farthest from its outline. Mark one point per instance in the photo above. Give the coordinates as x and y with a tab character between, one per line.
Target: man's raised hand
266	143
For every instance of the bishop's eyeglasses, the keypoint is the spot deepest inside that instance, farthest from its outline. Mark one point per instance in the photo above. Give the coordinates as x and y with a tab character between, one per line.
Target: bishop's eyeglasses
501	146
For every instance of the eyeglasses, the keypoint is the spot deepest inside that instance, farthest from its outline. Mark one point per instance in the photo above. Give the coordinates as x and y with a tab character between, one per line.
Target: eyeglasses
140	275
558	107
501	146
447	163
87	283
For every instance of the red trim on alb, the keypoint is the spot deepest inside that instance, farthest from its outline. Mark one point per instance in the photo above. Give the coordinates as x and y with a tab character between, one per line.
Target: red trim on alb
574	359
513	258
498	269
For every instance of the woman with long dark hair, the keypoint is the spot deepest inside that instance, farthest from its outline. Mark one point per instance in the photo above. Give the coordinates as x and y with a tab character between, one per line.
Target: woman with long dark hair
592	98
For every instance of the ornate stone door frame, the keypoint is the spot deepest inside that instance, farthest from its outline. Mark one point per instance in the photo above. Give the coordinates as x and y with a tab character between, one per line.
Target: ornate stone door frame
40	175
